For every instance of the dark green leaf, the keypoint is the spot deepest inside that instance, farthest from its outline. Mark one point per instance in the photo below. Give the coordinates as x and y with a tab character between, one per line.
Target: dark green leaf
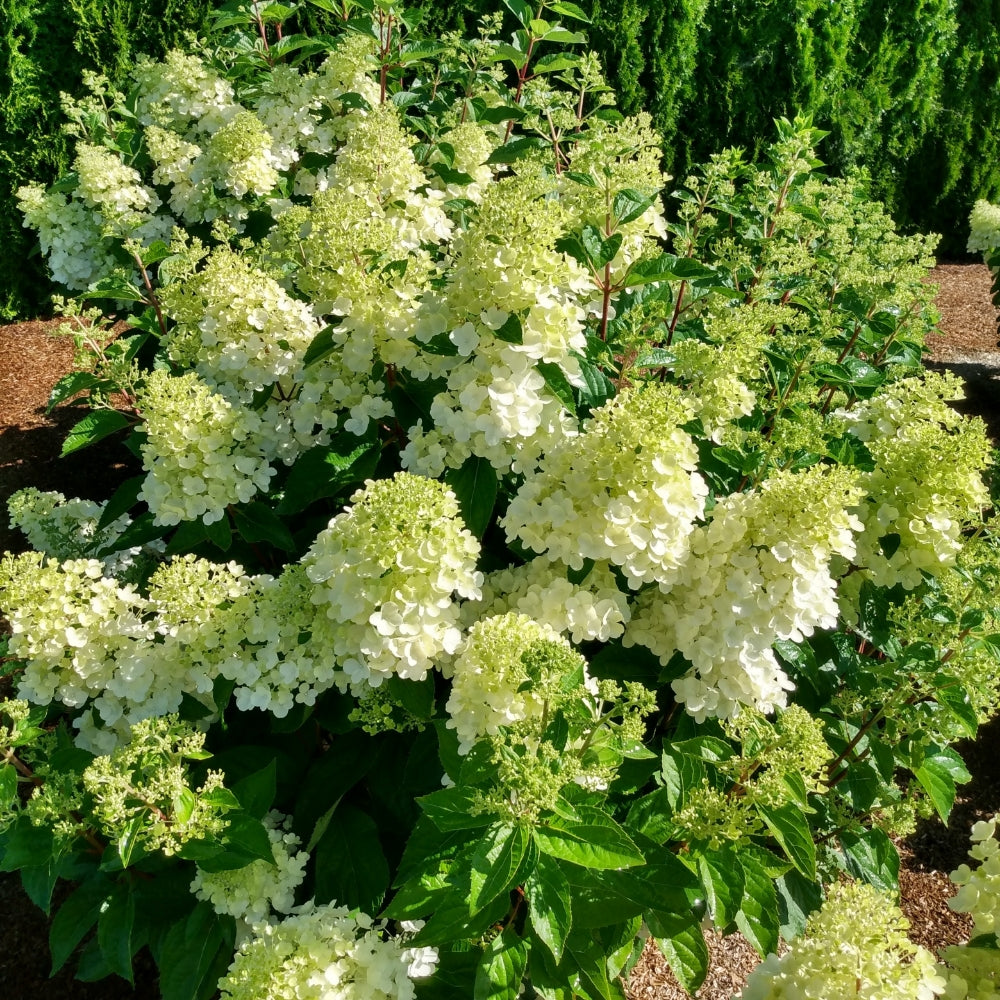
757	916
321	347
196	952
69	385
939	775
871	856
325	471
450	809
94	426
114	930
558	384
475	485
350	866
629	204
596	842
256	522
515	149
256	791
798	897
75	918
141	531
722	878
122	501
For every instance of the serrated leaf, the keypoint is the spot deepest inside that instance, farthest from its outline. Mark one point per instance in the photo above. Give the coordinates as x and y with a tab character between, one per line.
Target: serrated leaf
722	878
557	383
682	943
757	916
500	971
594	844
349	863
69	385
549	909
320	347
498	863
939	775
324	471
872	857
121	502
798	897
629	204
515	150
790	828
475	486
94	427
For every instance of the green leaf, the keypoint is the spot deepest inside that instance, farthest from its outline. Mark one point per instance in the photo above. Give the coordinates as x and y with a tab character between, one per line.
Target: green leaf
475	485
596	842
321	347
8	785
121	502
872	857
28	846
256	522
501	860
722	878
196	953
558	384
548	896
757	916
350	865
325	471
515	150
501	969
114	930
798	897
521	10
629	204
69	385
256	791
94	426
449	809
790	828
939	775
682	943
75	918
570	10
556	62
141	531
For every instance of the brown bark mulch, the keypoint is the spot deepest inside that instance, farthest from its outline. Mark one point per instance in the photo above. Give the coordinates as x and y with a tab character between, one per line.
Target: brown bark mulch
32	359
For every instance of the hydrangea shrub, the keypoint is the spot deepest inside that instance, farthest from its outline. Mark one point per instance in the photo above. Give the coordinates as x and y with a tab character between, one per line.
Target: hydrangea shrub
524	562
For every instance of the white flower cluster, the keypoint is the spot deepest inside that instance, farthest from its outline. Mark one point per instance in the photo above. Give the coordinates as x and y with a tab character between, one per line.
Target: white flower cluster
69	234
251	893
927	482
201	453
854	946
758	571
65	529
984	224
384	575
489	688
626	490
593	609
322	952
69	621
979	890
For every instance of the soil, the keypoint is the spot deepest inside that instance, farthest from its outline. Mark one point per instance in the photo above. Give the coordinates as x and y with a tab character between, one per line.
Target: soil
32	358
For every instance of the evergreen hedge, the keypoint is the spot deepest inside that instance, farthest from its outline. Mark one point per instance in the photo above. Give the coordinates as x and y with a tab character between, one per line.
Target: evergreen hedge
906	88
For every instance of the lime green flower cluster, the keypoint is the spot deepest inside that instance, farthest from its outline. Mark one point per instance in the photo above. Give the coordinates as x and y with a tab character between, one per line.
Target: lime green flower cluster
625	490
758	571
984	223
854	946
201	453
384	574
323	951
927	483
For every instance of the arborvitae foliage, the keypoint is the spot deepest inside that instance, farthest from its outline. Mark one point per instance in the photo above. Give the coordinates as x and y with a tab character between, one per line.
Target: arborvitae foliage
44	47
